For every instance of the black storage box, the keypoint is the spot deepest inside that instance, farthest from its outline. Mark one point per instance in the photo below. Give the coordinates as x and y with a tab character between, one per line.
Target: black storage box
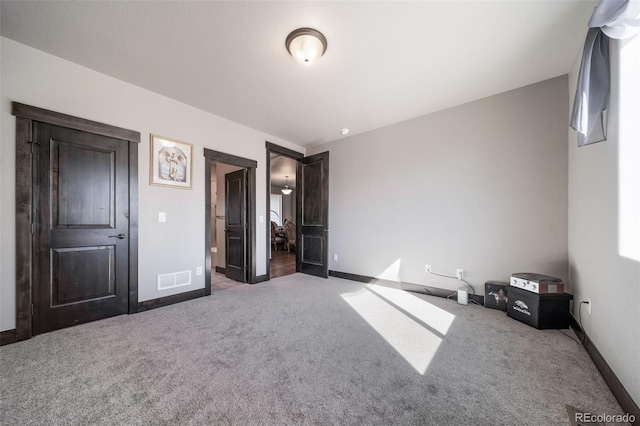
541	311
495	295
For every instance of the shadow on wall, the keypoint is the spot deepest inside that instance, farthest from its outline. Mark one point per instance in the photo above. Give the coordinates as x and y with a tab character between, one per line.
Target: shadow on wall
574	277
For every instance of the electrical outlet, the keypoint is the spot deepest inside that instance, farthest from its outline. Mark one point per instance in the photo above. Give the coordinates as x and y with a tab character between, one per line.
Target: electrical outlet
427	268
335	257
460	273
199	270
589	306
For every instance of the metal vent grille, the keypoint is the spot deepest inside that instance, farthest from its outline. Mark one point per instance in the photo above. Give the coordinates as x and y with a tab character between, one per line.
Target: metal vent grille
174	279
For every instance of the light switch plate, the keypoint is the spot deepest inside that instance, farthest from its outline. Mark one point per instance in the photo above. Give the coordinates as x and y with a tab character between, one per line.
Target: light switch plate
162	217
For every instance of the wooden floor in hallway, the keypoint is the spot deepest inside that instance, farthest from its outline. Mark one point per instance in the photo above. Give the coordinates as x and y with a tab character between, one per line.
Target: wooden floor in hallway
282	263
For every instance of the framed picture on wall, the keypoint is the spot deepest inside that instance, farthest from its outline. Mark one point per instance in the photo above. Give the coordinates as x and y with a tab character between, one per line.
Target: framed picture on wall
171	162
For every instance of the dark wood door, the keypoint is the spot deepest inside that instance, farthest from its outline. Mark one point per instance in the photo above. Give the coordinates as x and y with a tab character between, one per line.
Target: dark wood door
313	215
236	225
81	251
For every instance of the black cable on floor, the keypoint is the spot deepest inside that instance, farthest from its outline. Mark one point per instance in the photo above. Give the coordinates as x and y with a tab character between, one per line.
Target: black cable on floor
578	342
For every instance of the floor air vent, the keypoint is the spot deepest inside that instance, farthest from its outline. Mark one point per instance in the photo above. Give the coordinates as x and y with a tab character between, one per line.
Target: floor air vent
174	279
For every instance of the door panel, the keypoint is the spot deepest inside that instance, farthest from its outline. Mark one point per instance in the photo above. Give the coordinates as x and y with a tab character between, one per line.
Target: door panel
312	212
236	225
313	249
74	277
82	195
313	215
81	248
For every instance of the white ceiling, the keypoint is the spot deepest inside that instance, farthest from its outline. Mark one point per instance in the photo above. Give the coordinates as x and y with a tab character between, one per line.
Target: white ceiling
283	171
386	62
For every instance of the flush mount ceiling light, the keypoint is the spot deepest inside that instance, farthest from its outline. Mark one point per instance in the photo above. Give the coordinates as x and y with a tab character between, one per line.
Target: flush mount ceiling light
306	45
286	190
344	132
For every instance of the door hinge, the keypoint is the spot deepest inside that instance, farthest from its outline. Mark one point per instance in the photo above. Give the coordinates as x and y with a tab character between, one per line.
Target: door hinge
33	145
33	227
32	309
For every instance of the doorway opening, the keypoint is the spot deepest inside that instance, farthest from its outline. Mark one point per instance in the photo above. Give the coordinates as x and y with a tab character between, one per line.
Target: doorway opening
219	279
283	235
282	243
311	211
230	221
282	204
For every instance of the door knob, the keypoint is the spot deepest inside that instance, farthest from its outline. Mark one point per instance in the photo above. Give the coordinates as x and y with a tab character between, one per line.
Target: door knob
119	236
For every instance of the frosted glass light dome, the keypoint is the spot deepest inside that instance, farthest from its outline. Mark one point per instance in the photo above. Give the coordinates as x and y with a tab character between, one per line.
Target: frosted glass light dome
306	45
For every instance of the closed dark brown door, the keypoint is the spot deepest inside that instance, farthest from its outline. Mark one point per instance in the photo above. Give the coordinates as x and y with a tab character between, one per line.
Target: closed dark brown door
81	251
313	215
236	225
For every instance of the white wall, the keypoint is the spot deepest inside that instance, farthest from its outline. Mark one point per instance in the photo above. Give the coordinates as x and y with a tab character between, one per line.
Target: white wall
482	186
600	268
32	77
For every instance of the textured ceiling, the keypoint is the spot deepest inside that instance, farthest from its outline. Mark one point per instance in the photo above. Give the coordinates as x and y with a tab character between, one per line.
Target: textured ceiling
386	62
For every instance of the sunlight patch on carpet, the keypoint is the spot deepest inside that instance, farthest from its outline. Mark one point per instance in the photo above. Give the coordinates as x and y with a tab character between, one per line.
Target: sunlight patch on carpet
415	343
433	316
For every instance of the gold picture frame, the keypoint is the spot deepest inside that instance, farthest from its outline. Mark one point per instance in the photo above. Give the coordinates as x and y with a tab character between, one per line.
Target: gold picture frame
171	162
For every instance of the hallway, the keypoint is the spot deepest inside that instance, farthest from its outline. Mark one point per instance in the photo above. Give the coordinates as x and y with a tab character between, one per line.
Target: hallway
282	263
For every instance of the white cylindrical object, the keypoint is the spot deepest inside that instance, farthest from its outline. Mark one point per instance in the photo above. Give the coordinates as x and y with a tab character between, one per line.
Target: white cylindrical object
463	296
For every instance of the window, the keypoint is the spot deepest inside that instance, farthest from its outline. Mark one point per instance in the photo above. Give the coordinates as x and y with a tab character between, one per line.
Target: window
628	107
276	208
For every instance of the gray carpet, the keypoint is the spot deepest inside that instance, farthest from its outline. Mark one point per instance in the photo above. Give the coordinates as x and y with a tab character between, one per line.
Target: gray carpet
295	351
221	282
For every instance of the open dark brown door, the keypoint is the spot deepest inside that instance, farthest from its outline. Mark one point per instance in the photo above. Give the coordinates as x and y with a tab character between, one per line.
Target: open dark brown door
236	225
81	251
313	215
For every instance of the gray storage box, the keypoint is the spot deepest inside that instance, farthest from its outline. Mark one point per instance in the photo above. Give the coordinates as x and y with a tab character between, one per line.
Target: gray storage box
495	295
541	311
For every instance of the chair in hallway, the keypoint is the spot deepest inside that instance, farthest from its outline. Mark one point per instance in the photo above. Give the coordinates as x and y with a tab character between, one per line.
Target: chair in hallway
276	237
290	234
